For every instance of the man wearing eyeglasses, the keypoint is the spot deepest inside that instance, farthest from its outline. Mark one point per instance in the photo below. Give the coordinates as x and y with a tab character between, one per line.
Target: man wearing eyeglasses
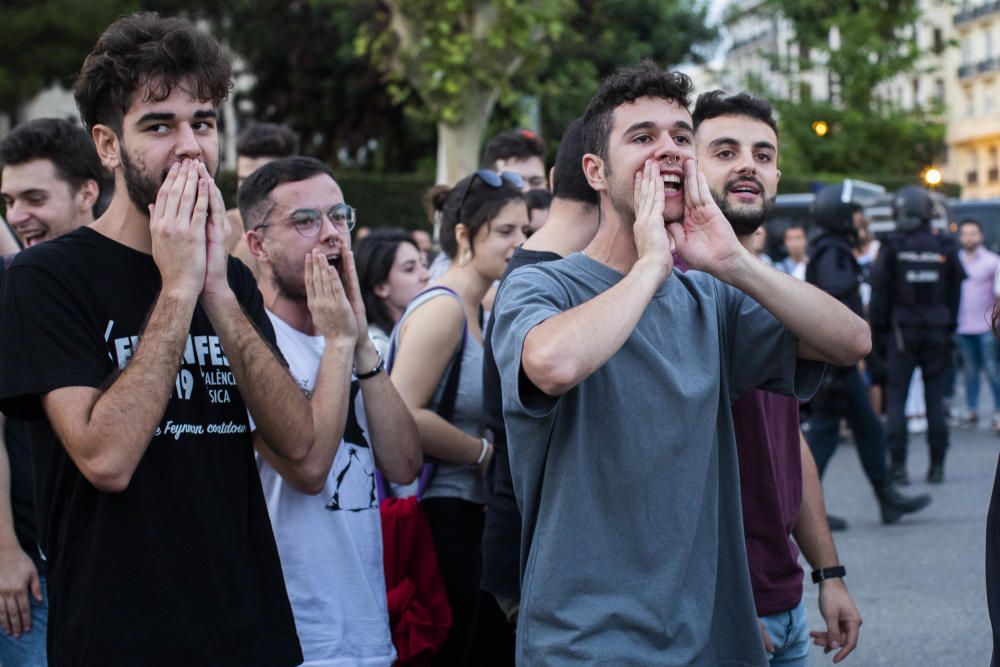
324	508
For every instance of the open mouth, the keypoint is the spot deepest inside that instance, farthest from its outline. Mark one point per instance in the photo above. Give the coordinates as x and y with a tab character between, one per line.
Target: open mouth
673	183
333	259
33	238
746	189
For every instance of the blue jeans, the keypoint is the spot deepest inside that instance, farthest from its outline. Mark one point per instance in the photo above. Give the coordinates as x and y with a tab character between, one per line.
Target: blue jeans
789	632
28	650
979	355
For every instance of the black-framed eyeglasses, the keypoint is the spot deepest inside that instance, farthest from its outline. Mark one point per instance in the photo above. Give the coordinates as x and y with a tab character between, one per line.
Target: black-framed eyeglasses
308	221
492	179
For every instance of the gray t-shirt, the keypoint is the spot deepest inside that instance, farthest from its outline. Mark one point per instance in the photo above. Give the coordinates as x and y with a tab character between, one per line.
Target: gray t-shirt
632	542
452	480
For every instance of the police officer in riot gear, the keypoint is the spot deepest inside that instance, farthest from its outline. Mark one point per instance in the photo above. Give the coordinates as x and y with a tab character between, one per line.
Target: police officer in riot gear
916	287
843	394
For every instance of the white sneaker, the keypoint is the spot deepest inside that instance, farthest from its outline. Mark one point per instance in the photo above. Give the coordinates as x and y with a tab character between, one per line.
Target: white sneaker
916	425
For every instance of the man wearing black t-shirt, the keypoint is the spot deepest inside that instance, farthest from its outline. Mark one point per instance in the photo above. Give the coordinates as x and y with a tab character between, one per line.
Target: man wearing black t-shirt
138	348
50	183
572	223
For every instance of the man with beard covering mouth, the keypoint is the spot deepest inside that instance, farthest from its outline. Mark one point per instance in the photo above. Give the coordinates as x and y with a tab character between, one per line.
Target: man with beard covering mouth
736	139
618	375
138	347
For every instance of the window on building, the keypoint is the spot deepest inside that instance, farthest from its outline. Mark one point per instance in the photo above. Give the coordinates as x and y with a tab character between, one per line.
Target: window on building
938	44
988	45
970	104
939	90
966	51
989	97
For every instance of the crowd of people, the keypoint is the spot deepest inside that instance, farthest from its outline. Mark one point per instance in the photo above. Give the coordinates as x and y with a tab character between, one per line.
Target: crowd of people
573	414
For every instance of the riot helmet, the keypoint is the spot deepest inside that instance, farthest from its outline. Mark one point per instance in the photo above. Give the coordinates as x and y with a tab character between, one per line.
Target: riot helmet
834	207
912	207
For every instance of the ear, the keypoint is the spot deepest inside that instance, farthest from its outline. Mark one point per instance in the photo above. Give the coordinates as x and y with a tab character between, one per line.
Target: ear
86	196
255	244
552	177
779	176
462	237
381	290
593	169
108	146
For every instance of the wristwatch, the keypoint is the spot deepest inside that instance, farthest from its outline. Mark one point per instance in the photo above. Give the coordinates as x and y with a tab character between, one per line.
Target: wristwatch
836	572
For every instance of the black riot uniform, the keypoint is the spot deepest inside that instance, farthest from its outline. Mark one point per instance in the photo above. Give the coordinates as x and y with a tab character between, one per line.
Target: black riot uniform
916	286
843	394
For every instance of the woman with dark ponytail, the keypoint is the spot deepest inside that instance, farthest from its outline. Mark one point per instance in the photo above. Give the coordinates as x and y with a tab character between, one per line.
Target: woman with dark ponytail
436	356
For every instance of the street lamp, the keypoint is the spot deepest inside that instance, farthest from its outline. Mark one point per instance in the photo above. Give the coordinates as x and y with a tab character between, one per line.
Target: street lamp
932	177
820	128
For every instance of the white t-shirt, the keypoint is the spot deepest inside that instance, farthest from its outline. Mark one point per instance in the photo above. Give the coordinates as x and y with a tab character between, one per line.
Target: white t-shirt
331	544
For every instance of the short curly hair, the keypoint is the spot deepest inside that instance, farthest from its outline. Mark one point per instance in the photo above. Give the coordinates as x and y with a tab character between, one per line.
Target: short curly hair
147	53
627	84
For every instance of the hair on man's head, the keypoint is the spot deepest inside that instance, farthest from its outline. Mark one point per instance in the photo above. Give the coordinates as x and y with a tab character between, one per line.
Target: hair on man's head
144	57
628	84
267	140
253	194
569	182
716	103
513	145
68	147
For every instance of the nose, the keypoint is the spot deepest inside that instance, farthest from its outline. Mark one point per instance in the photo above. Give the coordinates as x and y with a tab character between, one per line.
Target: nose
329	232
668	151
518	237
424	275
746	165
187	142
17	213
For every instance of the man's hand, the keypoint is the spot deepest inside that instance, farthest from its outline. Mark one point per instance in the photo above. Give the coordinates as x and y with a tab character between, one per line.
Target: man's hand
705	239
18	577
352	287
768	644
328	303
217	231
652	243
177	228
843	622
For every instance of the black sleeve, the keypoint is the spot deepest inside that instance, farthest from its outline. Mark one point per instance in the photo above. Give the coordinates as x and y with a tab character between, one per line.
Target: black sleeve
244	285
45	342
881	281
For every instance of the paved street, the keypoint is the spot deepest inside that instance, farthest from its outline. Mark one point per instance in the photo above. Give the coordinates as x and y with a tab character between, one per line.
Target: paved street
919	584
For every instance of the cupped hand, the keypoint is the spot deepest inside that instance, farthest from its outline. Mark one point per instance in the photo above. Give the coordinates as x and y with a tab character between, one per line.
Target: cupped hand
177	229
327	302
705	239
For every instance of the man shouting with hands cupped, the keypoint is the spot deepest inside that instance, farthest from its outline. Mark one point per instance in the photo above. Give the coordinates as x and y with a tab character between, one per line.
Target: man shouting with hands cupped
138	348
618	374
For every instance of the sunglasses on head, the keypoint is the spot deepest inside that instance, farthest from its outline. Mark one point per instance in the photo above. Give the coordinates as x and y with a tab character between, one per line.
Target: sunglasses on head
492	179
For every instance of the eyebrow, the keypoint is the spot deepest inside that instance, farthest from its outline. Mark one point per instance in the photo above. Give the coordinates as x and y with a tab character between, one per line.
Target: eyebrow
730	141
648	124
165	115
26	193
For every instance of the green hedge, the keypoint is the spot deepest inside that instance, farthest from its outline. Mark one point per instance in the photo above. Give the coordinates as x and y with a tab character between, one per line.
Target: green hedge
382	200
791	183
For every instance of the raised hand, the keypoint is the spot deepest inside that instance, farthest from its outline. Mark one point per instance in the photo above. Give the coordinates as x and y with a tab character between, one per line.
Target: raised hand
328	304
177	229
352	287
651	239
705	239
217	231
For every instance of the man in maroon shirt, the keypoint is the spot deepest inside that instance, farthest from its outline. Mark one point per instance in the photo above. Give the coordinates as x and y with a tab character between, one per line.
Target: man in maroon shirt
737	147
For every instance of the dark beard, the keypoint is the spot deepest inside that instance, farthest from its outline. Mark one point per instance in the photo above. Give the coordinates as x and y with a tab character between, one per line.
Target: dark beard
142	190
744	221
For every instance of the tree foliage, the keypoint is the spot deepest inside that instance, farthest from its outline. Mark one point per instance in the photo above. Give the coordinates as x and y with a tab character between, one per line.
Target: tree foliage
869	132
42	43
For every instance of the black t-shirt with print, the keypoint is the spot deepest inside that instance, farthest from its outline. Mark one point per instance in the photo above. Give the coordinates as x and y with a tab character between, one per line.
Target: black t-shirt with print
181	567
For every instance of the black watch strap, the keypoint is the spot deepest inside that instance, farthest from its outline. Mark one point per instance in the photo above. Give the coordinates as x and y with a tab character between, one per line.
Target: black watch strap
379	367
835	572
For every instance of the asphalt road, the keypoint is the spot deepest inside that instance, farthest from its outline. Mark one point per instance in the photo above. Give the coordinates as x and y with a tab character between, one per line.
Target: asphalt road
919	584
